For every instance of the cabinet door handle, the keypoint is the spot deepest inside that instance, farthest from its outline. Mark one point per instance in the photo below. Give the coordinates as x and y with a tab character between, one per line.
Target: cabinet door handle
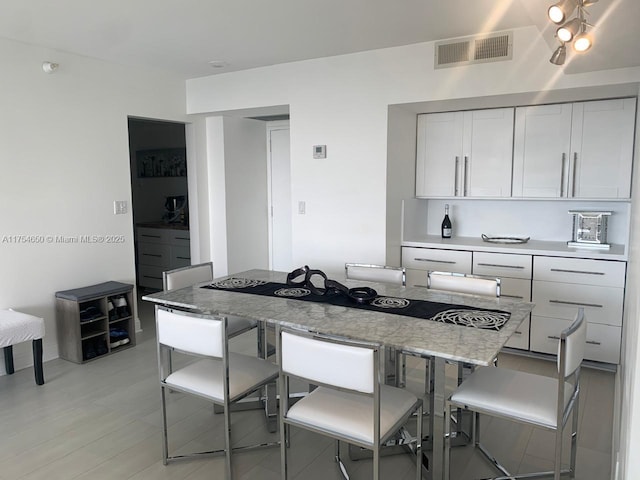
152	277
182	238
517	332
149	236
564	160
519	267
593	342
450	262
553	337
512	296
464	177
580	272
151	255
455	177
183	258
578	304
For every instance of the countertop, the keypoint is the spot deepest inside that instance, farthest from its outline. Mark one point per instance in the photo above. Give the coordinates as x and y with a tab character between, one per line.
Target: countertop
413	335
532	247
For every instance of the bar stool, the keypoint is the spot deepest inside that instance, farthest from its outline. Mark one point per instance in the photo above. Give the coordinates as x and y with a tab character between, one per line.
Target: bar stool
394	361
201	273
17	327
350	403
220	376
527	398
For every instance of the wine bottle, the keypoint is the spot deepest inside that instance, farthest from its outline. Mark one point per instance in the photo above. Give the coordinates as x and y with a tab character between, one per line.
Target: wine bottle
446	223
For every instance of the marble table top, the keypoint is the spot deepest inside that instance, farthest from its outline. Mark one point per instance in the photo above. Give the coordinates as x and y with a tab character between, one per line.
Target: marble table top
413	335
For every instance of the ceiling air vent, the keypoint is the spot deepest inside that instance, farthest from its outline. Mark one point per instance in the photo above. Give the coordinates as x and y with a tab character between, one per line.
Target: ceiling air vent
469	50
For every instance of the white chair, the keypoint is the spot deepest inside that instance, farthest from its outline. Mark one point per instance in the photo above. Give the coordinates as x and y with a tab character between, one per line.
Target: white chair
466	284
350	404
395	363
187	276
463	283
222	377
201	273
376	273
528	398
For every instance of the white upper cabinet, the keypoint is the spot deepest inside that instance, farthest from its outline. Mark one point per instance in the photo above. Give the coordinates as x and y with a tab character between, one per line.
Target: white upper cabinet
439	148
465	154
579	150
602	148
541	149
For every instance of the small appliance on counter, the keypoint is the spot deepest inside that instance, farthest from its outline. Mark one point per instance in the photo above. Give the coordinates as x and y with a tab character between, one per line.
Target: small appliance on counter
589	229
175	207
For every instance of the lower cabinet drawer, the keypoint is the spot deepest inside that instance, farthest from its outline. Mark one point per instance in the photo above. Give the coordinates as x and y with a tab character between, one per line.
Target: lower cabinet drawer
520	338
416	278
179	237
603	341
150	276
502	265
153	254
436	259
516	288
561	300
180	257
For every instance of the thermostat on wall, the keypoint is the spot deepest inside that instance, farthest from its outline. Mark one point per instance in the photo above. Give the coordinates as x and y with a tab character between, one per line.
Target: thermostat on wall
319	151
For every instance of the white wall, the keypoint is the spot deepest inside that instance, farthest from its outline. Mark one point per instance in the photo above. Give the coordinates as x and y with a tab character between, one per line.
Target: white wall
401	175
343	102
629	378
64	160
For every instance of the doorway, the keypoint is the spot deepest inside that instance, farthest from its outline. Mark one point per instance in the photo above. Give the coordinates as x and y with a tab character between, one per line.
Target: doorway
159	198
280	212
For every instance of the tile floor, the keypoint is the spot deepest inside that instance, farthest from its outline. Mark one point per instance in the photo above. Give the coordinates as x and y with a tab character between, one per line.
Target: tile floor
101	421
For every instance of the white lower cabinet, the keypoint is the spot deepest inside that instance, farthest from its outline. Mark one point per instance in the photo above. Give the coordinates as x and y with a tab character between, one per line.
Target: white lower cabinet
602	345
561	286
418	261
160	249
514	272
520	289
557	286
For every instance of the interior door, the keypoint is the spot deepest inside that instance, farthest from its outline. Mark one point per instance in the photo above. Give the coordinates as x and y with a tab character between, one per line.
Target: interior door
280	195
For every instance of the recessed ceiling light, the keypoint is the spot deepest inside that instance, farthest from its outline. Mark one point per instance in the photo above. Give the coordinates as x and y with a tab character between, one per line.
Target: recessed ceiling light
218	63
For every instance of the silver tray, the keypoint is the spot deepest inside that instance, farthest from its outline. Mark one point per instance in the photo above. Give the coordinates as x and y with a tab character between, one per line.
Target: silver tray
509	240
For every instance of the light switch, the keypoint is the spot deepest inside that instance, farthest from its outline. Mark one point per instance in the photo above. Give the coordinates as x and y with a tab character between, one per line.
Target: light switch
319	151
119	207
302	207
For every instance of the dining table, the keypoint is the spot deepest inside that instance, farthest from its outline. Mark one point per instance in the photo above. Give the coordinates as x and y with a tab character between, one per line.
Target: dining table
476	340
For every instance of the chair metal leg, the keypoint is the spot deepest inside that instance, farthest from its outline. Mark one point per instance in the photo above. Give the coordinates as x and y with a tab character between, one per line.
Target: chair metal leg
271	407
227	437
165	440
338	459
284	428
574	438
8	359
419	443
376	462
446	461
37	361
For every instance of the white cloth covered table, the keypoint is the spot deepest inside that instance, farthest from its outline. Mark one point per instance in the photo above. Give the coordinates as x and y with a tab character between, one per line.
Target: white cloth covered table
18	327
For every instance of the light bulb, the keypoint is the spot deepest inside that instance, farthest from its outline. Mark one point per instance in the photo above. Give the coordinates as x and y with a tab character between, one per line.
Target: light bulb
561	10
582	42
567	31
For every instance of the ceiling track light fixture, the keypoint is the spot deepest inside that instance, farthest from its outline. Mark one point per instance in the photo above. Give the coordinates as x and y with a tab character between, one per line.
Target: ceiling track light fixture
573	30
